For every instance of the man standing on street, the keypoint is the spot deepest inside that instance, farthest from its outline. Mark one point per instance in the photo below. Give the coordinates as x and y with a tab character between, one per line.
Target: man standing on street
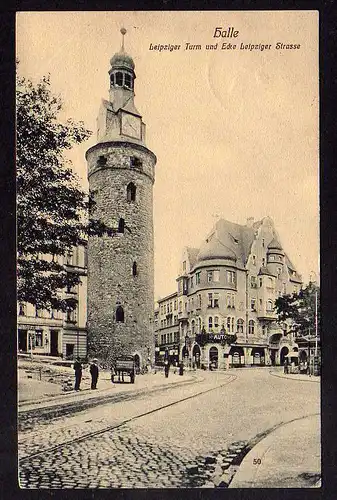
94	373
78	373
166	368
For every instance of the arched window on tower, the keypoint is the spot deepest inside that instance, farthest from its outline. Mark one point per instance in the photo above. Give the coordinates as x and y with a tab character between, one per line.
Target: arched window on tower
121	224
131	192
112	79
127	80
134	269
120	314
119	79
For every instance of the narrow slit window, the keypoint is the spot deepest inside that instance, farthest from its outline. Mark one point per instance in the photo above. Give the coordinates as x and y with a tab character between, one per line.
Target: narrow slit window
121	225
136	162
131	192
101	161
134	269
120	314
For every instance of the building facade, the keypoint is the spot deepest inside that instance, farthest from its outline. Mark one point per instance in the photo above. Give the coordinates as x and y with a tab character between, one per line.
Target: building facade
121	173
226	294
56	333
167	331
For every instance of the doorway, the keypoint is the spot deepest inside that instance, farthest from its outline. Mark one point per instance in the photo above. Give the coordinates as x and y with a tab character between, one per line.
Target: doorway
70	351
22	341
273	357
54	341
283	353
196	355
213	357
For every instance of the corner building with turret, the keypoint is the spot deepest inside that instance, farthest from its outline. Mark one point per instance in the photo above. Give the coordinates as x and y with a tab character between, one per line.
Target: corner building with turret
223	311
121	173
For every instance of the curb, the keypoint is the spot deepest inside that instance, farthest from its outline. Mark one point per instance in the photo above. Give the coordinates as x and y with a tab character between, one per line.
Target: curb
251	465
281	375
78	397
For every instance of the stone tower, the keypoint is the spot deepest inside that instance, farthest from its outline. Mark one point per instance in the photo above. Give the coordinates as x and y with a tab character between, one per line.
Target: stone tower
121	171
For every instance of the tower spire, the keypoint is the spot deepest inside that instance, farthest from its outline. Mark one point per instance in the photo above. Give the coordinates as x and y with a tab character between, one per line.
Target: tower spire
123	31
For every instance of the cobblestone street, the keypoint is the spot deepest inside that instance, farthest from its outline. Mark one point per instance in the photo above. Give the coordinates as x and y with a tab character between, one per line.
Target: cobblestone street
144	447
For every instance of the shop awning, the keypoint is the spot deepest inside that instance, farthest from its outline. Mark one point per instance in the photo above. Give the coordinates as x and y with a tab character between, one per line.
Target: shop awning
292	354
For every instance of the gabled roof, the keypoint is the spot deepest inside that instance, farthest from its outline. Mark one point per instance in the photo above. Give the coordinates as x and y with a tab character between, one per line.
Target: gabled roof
297	277
192	255
265	271
239	238
227	240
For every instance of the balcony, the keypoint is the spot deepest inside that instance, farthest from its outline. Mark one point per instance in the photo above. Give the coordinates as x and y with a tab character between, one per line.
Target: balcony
268	315
182	315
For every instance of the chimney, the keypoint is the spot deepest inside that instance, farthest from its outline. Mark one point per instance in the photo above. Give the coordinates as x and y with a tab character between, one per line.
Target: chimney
250	222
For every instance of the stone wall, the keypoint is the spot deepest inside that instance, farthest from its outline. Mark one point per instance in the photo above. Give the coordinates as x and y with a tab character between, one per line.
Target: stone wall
110	259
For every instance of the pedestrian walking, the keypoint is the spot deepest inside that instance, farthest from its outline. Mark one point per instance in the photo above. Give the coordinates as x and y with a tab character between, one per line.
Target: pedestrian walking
113	373
286	366
166	368
78	374
94	373
181	368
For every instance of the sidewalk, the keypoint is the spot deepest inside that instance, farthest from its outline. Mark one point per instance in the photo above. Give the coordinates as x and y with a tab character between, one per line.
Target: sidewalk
295	376
289	457
34	393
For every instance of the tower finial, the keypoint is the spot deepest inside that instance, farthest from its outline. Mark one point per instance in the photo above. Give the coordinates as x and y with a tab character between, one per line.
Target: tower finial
123	31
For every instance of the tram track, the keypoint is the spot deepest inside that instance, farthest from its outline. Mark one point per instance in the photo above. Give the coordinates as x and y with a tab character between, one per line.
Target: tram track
109	428
53	410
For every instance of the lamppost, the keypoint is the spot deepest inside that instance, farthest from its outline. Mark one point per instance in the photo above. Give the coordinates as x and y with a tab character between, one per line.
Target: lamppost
316	314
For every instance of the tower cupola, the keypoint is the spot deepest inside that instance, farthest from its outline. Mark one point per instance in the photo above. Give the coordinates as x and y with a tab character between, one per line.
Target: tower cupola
122	71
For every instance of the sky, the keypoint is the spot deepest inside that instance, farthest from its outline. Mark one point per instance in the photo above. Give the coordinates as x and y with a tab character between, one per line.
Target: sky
235	131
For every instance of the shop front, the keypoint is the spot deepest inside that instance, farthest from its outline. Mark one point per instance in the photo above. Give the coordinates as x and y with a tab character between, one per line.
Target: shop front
236	357
258	356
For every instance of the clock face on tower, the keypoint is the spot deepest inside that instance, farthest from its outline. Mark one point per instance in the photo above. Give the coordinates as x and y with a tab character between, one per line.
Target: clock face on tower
131	126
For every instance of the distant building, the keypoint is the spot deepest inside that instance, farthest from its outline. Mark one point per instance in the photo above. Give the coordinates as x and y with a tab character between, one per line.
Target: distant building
227	290
56	333
167	330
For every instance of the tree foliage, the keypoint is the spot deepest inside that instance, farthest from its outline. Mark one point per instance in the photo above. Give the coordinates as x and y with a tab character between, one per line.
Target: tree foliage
52	208
300	309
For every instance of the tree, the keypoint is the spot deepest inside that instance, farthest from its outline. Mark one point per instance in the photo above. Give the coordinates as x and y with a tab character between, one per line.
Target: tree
54	214
300	309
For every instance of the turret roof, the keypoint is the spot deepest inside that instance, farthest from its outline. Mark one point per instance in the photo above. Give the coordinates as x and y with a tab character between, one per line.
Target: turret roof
122	60
275	245
213	248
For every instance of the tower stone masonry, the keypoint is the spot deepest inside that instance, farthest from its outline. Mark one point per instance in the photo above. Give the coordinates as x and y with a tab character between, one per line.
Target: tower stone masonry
121	172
